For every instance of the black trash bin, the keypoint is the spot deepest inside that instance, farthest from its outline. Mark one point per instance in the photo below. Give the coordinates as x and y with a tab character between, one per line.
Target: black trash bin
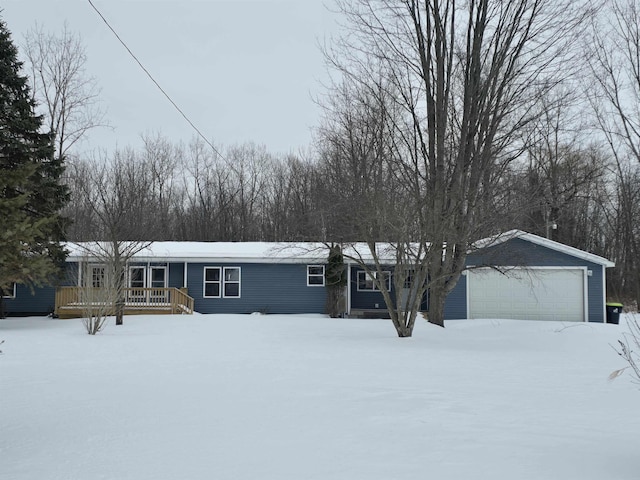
613	312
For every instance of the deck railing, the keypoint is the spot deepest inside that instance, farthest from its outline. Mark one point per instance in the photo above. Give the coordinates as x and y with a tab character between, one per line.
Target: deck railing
135	299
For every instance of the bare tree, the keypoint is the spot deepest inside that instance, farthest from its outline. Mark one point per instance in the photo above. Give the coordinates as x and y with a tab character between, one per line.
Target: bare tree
160	158
622	233
96	295
247	166
61	85
614	58
117	192
466	78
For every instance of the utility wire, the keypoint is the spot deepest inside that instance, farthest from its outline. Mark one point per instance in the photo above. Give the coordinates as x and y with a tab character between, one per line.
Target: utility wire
155	82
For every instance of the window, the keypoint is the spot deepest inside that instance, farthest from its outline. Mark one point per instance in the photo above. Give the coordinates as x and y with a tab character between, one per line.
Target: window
408	279
158	277
9	292
231	282
136	277
98	276
221	282
136	284
366	283
315	275
212	282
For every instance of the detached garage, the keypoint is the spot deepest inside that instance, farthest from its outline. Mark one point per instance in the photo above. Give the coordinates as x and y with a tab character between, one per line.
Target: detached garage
523	276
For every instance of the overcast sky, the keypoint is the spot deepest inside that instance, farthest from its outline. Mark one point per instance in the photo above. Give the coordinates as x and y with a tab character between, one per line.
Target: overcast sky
241	70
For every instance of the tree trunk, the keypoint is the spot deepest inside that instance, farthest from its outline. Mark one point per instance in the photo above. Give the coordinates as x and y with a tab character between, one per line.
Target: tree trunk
120	267
335	301
404	331
436	306
119	310
403	325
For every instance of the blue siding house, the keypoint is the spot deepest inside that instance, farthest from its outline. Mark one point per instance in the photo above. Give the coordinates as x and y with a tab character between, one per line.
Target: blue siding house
516	275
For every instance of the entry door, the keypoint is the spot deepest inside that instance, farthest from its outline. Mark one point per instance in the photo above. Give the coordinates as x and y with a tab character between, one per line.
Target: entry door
158	282
137	283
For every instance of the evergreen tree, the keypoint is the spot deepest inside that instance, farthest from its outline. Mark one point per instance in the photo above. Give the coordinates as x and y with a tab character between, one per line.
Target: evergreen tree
31	194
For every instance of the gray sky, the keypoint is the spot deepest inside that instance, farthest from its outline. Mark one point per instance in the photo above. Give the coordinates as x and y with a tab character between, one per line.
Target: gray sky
241	70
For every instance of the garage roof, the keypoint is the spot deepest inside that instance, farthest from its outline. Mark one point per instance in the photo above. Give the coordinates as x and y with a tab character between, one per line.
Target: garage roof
544	242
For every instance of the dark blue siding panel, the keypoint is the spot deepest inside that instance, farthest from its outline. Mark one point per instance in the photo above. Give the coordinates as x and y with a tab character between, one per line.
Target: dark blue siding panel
596	289
70	277
267	288
455	306
176	275
39	302
519	252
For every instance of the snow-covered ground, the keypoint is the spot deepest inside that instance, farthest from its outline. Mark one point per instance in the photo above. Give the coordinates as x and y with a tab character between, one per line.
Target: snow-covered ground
306	397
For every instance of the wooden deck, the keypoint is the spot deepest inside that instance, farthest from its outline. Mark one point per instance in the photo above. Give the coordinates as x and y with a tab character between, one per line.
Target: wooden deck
75	302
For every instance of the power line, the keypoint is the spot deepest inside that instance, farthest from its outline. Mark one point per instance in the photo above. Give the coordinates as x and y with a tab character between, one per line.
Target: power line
155	82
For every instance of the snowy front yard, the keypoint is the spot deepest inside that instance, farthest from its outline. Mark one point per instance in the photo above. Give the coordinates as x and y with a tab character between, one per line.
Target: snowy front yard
306	397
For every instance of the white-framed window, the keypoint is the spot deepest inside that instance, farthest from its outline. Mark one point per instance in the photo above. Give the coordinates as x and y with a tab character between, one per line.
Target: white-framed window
158	282
367	284
137	282
9	292
158	277
315	275
221	282
231	286
212	282
137	277
98	277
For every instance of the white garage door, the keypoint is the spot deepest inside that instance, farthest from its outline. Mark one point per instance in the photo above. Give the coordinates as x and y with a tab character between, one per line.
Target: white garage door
527	294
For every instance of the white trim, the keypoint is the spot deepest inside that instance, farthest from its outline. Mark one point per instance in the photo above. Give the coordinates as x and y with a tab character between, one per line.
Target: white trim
585	284
348	287
309	275
204	282
14	292
585	293
224	282
468	306
604	294
184	275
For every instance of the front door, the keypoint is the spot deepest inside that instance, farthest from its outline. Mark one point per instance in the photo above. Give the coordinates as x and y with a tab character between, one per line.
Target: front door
158	283
137	282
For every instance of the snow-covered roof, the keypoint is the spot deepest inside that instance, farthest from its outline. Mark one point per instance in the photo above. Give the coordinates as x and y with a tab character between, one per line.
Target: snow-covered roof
544	242
293	252
258	252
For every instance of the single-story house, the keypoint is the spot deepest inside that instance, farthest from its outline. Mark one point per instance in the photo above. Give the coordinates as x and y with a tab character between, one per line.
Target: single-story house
515	275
